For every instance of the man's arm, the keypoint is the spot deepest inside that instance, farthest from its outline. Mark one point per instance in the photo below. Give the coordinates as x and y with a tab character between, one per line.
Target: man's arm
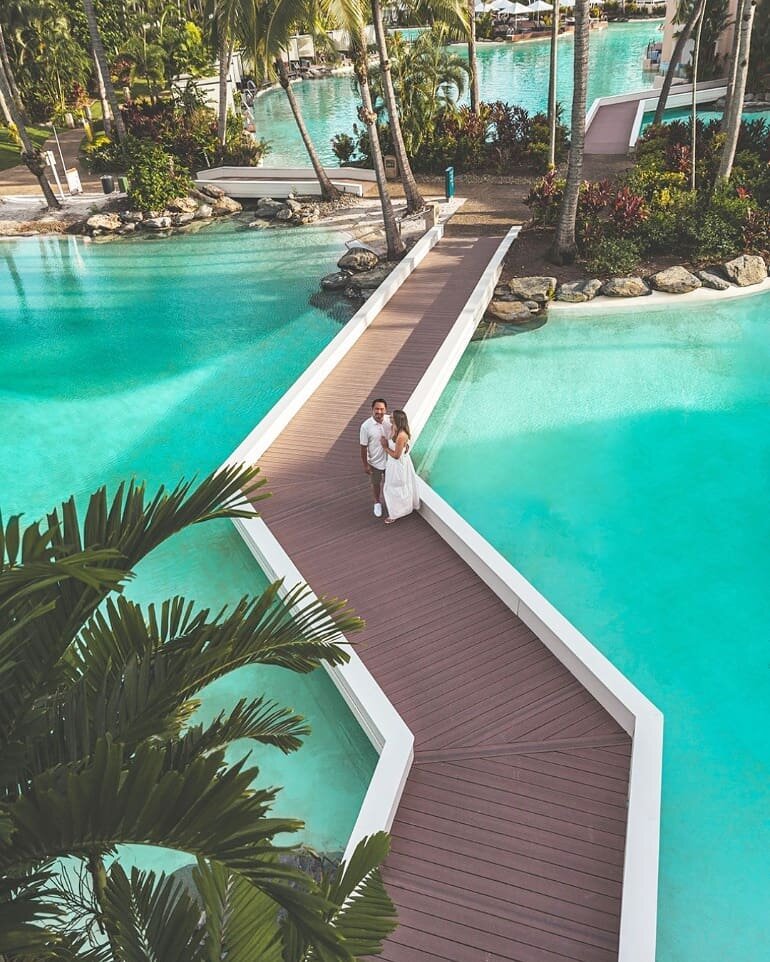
365	460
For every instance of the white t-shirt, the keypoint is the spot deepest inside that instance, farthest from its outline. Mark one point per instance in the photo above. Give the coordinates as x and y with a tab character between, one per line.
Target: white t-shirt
370	435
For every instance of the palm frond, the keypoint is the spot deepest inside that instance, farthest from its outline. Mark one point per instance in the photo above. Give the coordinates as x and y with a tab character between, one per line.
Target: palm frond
241	923
151	918
205	810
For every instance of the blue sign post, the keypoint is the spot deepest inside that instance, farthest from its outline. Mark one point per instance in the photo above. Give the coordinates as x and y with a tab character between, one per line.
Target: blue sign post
449	182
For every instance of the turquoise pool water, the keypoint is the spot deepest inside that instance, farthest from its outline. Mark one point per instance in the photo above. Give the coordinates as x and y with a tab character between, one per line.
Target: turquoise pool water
684	113
621	462
516	73
154	359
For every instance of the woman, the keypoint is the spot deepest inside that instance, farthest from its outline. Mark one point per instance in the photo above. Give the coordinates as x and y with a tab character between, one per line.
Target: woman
400	487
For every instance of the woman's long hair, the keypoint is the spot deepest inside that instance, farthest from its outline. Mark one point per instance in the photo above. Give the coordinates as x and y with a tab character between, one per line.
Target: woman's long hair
400	422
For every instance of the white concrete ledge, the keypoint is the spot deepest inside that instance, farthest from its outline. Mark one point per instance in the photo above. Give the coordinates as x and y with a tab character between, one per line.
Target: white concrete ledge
625	703
382	724
635	713
270	427
435	379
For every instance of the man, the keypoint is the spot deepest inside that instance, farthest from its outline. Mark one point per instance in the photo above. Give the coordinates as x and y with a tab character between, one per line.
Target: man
374	459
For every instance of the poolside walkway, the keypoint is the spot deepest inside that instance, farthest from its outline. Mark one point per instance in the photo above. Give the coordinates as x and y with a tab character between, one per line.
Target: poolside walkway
509	840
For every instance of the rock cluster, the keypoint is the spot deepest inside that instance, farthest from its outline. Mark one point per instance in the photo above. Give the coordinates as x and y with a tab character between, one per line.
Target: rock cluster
522	297
360	273
200	204
289	211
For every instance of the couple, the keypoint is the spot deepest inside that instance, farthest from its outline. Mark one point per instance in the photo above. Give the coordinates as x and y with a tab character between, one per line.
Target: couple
385	456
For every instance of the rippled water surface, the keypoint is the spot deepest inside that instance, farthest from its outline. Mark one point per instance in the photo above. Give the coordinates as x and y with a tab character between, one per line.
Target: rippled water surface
516	73
154	359
622	463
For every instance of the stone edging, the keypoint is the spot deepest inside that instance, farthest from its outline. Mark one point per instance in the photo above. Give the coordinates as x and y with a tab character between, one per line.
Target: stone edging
657	299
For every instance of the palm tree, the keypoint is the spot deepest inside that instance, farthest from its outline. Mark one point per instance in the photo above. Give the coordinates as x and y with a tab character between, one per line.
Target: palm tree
694	16
694	103
414	199
367	115
5	65
99	749
564	247
328	190
473	62
552	118
31	155
731	121
269	31
227	19
101	59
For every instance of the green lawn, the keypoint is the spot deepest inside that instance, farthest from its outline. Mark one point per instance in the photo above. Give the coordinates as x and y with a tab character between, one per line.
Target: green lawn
9	151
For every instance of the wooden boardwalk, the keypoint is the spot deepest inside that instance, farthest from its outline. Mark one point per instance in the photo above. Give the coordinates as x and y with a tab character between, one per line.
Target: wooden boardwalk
509	840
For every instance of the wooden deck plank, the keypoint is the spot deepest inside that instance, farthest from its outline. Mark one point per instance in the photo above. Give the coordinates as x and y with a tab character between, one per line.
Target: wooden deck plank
509	840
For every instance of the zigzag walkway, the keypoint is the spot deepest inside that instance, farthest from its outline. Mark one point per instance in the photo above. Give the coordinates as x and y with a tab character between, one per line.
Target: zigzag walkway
509	840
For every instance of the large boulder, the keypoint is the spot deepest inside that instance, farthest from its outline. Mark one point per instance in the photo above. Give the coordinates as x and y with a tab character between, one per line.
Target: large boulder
577	292
284	214
336	282
306	214
511	312
713	281
162	222
358	259
104	223
675	280
625	287
268	208
183	205
368	281
746	270
132	216
209	190
127	228
225	205
204	212
179	220
540	289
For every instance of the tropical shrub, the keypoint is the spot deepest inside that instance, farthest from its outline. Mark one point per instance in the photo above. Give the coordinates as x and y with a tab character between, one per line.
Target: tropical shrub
544	199
155	177
613	255
343	148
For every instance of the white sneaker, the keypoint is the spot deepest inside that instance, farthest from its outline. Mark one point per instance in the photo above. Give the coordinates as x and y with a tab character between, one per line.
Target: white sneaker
378	510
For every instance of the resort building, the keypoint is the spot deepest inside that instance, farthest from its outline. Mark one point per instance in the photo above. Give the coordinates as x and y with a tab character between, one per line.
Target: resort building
671	30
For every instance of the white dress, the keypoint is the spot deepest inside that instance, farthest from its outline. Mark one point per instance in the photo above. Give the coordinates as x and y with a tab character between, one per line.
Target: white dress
400	487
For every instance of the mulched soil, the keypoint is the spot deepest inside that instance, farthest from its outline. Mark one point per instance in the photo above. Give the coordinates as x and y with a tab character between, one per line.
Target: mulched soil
529	256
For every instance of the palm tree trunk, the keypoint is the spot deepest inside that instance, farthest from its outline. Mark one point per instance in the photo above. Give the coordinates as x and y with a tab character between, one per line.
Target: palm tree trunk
328	190
30	154
414	199
99	55
694	105
696	13
564	248
6	65
106	112
224	70
473	62
734	106
733	64
552	86
396	248
4	107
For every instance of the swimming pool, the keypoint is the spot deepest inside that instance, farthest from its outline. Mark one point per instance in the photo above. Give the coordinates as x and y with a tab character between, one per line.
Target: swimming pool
704	114
154	358
621	462
513	72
